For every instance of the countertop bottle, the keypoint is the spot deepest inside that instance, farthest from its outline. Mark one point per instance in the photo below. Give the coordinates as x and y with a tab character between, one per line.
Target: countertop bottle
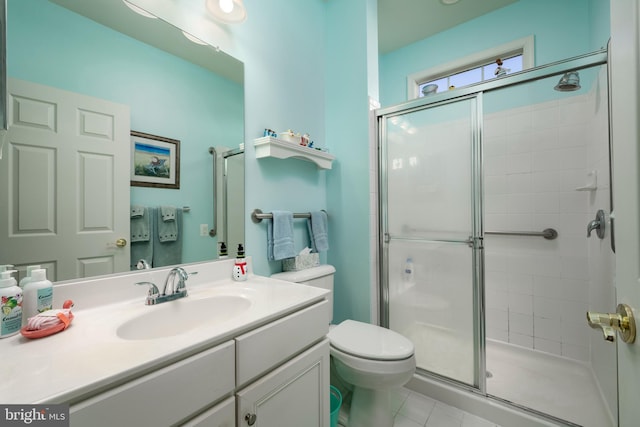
11	305
222	251
240	266
37	295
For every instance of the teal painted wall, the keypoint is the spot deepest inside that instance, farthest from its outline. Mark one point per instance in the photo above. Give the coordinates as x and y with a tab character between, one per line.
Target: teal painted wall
282	45
49	45
562	29
306	69
347	119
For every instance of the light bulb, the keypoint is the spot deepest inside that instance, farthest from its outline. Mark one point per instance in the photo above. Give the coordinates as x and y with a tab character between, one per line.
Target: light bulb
226	6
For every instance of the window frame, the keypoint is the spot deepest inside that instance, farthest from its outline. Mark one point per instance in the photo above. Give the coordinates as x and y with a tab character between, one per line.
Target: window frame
523	46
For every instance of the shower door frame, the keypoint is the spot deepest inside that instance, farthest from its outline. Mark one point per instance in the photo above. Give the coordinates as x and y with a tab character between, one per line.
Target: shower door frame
577	63
474	241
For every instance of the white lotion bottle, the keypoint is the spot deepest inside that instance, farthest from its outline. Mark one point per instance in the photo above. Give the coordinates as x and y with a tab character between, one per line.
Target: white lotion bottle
26	279
11	305
37	295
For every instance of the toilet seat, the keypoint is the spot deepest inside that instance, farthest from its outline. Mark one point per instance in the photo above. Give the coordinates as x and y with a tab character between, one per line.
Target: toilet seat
372	342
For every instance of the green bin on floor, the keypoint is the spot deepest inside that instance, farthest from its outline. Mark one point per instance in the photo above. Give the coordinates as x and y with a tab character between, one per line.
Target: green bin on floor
335	403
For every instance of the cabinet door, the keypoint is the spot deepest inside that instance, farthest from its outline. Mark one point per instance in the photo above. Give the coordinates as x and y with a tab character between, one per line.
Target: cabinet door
221	415
295	394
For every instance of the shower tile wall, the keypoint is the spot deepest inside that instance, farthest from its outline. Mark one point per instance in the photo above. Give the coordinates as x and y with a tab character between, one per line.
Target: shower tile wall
537	290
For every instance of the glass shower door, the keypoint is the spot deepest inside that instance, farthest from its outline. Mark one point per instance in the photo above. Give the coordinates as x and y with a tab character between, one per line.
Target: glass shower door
430	224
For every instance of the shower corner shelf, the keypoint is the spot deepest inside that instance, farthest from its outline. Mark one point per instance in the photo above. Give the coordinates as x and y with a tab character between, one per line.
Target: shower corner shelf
272	147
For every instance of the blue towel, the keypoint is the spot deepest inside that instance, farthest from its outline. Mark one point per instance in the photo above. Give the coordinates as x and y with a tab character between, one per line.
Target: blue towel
168	252
168	213
318	231
167	224
142	249
280	236
140	224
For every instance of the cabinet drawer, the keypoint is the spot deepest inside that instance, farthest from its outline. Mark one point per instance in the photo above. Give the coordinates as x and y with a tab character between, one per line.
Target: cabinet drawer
165	396
266	347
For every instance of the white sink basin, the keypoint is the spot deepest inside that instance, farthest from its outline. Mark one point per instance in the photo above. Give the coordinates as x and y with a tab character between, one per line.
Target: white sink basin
182	315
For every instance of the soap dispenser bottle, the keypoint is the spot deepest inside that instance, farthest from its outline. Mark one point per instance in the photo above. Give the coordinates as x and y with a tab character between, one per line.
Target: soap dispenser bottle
240	266
37	295
10	304
222	251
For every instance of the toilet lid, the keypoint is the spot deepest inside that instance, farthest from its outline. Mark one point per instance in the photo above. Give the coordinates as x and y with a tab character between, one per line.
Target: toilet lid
370	341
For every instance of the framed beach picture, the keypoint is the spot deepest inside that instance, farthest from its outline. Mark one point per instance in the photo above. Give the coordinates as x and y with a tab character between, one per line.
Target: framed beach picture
155	161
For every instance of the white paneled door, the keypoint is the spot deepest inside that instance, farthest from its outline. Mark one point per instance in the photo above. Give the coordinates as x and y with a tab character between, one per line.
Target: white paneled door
625	69
66	161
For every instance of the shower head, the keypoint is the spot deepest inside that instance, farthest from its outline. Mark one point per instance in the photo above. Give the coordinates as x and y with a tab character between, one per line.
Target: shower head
569	82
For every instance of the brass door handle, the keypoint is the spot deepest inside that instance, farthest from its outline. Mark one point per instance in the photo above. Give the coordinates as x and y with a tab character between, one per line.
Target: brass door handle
121	243
622	321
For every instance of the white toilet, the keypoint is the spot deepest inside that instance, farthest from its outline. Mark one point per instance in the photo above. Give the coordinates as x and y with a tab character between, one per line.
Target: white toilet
373	359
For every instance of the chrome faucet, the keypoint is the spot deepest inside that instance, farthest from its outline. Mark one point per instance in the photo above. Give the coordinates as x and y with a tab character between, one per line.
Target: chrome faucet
175	281
178	289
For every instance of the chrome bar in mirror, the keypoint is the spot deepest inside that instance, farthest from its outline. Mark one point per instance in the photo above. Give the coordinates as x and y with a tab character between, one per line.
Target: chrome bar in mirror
213	231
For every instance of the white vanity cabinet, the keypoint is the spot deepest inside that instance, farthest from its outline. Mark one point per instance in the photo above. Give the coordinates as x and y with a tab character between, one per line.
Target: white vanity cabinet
276	374
221	415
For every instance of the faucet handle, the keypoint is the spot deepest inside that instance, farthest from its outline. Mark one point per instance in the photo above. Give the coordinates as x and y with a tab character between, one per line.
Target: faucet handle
597	224
153	293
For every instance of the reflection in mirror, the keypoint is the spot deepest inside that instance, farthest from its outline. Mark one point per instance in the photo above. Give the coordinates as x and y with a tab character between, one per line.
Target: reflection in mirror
82	76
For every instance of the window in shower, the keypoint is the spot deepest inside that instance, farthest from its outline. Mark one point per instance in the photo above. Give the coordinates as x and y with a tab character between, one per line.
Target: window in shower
477	74
476	68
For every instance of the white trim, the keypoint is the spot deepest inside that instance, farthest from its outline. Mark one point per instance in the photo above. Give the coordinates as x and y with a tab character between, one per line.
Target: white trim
524	45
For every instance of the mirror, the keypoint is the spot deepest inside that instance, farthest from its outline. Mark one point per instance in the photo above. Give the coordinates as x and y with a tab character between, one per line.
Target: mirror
173	88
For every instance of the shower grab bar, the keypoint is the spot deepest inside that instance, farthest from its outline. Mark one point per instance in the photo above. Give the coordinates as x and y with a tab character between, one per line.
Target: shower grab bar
547	233
257	215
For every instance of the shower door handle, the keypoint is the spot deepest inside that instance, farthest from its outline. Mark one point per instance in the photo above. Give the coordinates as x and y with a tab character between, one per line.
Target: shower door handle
622	321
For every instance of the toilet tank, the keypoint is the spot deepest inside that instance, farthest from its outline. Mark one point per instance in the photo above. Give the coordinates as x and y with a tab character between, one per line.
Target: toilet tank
319	277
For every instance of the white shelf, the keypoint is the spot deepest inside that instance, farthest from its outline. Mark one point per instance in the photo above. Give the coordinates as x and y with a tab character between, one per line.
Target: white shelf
272	147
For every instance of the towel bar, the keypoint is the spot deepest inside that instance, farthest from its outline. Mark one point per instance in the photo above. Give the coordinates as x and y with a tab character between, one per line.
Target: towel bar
257	215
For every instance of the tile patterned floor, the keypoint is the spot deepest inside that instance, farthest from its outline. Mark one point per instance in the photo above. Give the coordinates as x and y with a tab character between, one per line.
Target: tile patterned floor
412	409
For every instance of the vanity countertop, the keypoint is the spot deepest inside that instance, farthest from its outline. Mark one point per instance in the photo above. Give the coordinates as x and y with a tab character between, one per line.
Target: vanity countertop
90	355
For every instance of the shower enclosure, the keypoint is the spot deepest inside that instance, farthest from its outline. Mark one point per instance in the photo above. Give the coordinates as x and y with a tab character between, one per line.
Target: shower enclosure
485	196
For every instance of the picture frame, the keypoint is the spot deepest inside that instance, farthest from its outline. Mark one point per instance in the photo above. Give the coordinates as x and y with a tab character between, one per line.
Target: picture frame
155	161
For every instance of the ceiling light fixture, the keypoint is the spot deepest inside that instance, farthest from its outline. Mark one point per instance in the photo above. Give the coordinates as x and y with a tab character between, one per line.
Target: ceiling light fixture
229	11
139	10
449	2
